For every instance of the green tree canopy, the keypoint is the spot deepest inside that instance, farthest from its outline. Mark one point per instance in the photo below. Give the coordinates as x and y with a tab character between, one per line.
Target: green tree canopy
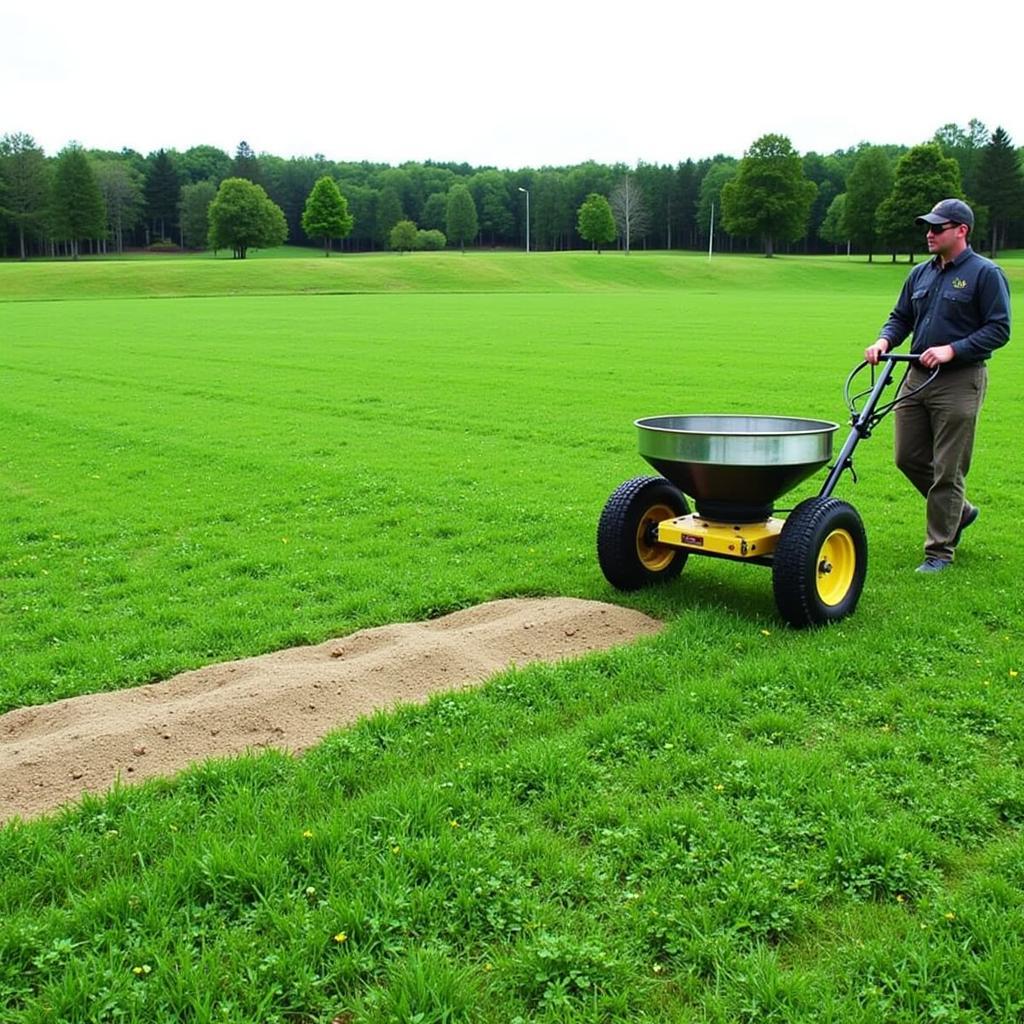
431	239
77	209
246	164
194	211
833	227
923	177
769	198
243	217
204	163
965	146
595	221
869	183
1000	185
404	236
389	213
326	214
461	220
24	184
121	187
435	212
162	192
710	192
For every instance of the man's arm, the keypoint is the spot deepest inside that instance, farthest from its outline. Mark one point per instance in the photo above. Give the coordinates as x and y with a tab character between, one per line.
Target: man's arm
897	327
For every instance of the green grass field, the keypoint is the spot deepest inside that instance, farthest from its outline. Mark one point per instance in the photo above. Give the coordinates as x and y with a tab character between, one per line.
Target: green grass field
730	822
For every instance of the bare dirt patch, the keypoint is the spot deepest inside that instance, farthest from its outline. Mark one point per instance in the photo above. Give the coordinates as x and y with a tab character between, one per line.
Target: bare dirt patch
50	755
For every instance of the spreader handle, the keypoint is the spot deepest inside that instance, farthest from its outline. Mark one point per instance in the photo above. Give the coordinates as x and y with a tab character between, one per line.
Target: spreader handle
900	357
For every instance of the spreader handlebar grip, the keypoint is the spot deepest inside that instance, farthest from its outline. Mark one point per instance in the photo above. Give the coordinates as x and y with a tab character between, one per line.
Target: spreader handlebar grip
900	357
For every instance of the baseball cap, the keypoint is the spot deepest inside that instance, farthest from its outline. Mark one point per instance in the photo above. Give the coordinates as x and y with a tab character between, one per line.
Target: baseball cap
955	210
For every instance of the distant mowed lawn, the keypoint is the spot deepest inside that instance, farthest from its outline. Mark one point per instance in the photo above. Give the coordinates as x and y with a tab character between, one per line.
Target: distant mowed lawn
205	459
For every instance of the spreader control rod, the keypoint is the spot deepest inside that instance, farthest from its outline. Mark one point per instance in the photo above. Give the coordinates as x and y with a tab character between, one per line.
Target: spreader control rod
866	419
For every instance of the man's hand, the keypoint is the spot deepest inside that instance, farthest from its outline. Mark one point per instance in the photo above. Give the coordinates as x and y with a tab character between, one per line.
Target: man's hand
873	352
932	357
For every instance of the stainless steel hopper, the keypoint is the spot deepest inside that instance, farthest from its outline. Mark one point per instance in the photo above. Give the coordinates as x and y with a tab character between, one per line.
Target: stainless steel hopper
734	466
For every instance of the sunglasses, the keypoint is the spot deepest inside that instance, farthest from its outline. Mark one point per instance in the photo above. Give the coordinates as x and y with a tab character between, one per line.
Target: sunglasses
938	229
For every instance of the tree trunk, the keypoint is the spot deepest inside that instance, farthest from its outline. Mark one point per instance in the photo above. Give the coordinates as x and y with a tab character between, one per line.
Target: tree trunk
21	240
769	250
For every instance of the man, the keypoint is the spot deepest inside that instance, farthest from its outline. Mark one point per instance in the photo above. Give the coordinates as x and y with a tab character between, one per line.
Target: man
957	306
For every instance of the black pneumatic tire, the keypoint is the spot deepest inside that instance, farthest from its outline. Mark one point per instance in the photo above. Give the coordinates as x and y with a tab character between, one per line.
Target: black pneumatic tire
628	558
820	563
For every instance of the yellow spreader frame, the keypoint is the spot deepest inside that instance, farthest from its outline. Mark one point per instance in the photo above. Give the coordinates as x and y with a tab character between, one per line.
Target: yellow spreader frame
741	541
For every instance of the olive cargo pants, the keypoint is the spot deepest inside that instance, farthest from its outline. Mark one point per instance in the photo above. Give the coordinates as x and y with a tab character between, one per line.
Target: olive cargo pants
934	439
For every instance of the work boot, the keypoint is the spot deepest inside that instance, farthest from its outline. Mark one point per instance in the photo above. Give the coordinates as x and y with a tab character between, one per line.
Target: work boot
968	516
934	565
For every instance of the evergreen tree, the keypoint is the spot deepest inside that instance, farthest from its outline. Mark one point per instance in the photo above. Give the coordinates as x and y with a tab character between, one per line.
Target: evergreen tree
461	219
595	221
76	208
869	183
1000	186
24	184
923	177
769	198
162	193
246	164
243	217
326	214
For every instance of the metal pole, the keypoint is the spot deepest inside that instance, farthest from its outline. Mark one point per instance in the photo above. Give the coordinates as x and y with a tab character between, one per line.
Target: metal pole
527	191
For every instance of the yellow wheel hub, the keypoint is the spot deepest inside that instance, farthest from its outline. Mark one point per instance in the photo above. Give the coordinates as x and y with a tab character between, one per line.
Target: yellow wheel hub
655	557
837	561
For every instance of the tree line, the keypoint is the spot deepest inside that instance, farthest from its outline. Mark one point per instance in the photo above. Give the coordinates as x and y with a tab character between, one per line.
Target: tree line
772	199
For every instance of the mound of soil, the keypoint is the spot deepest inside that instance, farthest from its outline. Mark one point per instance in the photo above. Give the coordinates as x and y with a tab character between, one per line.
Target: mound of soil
51	754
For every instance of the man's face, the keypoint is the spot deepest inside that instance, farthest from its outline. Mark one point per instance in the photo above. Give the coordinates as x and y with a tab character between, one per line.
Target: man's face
945	238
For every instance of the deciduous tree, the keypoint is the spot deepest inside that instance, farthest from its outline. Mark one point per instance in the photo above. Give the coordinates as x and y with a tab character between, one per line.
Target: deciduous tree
629	209
404	236
389	213
595	221
194	211
243	217
769	198
869	183
461	220
326	214
923	177
431	239
121	187
833	227
77	209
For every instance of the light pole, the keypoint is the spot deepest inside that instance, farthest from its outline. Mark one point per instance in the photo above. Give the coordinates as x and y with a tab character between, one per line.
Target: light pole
527	191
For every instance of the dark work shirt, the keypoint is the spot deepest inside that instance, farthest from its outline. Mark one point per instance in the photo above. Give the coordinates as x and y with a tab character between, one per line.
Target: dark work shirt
965	303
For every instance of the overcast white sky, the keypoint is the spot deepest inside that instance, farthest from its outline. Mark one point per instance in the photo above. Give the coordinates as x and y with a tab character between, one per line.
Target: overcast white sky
518	84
